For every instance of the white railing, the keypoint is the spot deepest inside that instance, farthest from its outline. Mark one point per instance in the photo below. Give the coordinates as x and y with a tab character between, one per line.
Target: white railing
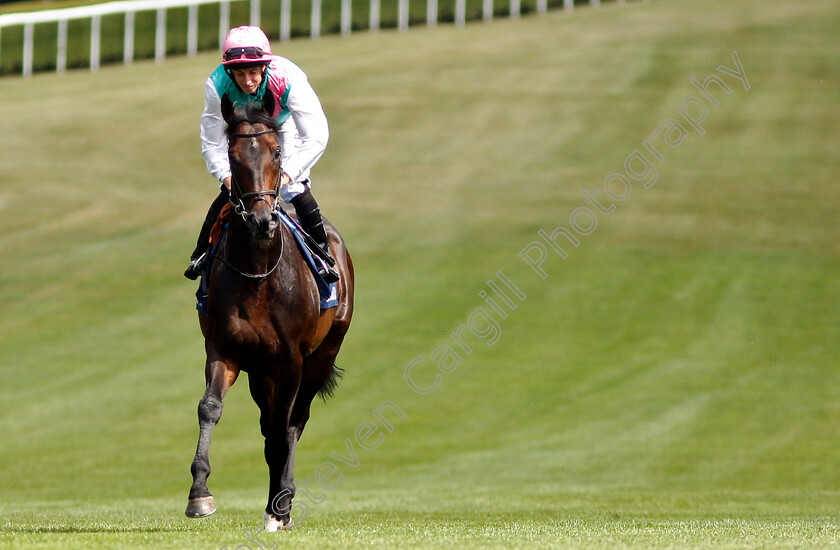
130	7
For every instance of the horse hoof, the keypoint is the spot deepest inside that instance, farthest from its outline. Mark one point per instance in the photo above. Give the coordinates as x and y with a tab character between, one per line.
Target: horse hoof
200	507
272	524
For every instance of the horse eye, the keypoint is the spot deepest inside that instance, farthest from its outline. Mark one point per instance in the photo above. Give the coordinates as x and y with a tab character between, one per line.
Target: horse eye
277	153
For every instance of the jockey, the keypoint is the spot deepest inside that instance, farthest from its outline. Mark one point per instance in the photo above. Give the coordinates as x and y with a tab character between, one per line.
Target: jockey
249	71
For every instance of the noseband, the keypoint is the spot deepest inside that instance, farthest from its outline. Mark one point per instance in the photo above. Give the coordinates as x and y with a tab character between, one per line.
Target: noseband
237	197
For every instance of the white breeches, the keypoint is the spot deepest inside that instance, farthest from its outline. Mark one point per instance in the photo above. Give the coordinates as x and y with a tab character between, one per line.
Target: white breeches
290	142
292	190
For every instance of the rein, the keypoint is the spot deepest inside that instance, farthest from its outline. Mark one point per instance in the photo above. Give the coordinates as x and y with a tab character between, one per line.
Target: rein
225	261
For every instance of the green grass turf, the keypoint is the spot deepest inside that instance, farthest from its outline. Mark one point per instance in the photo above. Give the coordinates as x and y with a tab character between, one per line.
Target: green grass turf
672	383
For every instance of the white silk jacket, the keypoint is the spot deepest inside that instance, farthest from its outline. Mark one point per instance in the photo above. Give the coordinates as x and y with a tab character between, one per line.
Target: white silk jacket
303	134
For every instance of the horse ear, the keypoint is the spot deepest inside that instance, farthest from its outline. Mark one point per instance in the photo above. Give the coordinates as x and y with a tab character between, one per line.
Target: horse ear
227	108
268	103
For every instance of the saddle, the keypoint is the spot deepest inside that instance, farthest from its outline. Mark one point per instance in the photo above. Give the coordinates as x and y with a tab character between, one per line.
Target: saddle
219	226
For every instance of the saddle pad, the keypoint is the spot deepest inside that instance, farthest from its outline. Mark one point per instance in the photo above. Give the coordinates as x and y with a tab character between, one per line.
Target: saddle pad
328	292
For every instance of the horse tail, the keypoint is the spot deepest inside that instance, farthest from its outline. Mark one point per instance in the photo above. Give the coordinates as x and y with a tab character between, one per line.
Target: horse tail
328	388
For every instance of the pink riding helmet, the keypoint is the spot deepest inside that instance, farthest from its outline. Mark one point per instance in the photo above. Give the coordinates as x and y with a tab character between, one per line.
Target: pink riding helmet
246	46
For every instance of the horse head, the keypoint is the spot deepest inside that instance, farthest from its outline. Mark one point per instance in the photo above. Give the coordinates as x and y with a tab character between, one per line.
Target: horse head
255	155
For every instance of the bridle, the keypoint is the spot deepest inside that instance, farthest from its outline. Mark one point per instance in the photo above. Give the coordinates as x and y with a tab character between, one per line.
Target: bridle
237	197
237	201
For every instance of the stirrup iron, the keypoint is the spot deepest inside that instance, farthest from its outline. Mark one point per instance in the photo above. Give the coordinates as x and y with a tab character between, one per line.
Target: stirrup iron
193	271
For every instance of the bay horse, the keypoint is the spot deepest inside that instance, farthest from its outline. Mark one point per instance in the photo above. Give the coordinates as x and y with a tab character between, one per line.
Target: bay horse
264	318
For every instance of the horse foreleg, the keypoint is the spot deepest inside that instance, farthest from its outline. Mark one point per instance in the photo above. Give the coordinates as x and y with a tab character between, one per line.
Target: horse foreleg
278	514
220	377
275	399
317	370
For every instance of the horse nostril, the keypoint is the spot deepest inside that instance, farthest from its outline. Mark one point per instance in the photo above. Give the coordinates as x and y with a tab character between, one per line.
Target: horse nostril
251	220
262	223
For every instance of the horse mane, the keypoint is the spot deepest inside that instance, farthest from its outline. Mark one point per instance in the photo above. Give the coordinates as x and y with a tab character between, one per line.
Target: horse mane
252	114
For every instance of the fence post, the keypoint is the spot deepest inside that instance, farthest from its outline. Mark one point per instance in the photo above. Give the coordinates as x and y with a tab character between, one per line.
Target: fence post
192	30
255	13
285	20
431	13
128	38
568	5
460	12
515	8
61	50
346	14
28	31
160	35
402	15
487	10
542	6
95	39
224	22
315	20
373	22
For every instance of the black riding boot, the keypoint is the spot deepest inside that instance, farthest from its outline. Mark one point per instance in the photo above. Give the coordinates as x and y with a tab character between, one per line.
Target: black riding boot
310	219
199	255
